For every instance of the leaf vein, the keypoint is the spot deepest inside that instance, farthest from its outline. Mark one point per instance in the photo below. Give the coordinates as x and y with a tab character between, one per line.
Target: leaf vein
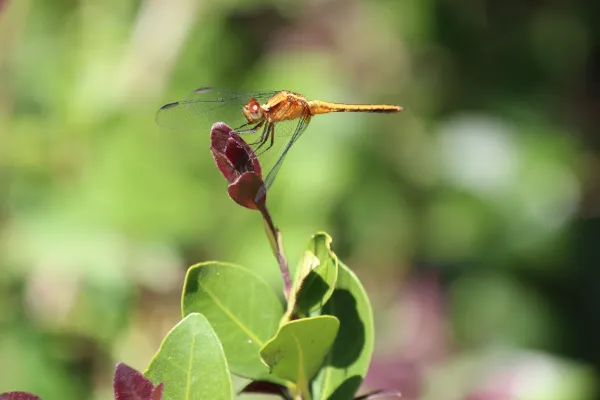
227	312
189	371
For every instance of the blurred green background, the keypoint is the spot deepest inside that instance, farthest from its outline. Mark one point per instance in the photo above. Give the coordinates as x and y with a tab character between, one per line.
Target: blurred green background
472	218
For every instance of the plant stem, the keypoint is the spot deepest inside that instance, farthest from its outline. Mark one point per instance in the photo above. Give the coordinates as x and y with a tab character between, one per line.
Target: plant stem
277	244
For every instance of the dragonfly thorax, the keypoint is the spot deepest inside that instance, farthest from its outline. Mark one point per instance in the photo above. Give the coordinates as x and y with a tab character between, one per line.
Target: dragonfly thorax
253	111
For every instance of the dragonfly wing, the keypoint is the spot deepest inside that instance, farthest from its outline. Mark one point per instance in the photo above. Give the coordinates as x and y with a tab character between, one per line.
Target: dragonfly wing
203	93
206	106
300	128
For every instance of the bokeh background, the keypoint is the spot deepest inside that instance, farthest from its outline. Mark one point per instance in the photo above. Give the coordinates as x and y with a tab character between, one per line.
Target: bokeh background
472	218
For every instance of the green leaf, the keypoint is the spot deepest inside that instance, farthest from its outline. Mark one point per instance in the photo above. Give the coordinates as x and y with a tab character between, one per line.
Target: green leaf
242	308
298	350
346	365
191	363
315	277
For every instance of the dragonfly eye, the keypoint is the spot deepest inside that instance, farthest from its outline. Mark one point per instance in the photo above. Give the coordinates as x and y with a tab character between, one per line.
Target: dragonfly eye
253	111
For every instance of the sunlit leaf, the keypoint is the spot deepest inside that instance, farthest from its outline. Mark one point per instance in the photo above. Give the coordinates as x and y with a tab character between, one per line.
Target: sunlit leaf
348	361
299	347
191	363
242	308
315	277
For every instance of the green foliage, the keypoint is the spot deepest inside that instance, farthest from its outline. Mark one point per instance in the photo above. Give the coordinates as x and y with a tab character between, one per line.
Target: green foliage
191	363
233	320
315	278
346	365
298	349
333	344
241	307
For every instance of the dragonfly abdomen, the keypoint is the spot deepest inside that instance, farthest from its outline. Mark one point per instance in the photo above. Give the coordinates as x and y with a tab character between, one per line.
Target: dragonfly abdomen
324	107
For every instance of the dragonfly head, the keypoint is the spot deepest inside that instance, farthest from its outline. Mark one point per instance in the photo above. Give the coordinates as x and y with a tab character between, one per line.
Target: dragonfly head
253	111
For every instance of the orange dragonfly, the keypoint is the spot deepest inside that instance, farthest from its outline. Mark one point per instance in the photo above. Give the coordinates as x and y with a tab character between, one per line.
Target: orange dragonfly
261	115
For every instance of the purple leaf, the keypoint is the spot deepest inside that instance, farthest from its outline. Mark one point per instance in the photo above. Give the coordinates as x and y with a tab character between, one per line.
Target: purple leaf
130	384
18	395
238	164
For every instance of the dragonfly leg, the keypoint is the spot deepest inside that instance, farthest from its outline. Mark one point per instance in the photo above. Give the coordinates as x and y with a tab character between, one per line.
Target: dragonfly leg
270	132
249	130
260	139
240	128
263	137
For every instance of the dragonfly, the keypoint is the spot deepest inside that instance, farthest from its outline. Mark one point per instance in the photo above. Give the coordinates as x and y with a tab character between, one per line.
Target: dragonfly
268	119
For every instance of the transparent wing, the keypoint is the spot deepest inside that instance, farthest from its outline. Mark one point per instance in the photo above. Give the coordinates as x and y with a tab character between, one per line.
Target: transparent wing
205	106
300	127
